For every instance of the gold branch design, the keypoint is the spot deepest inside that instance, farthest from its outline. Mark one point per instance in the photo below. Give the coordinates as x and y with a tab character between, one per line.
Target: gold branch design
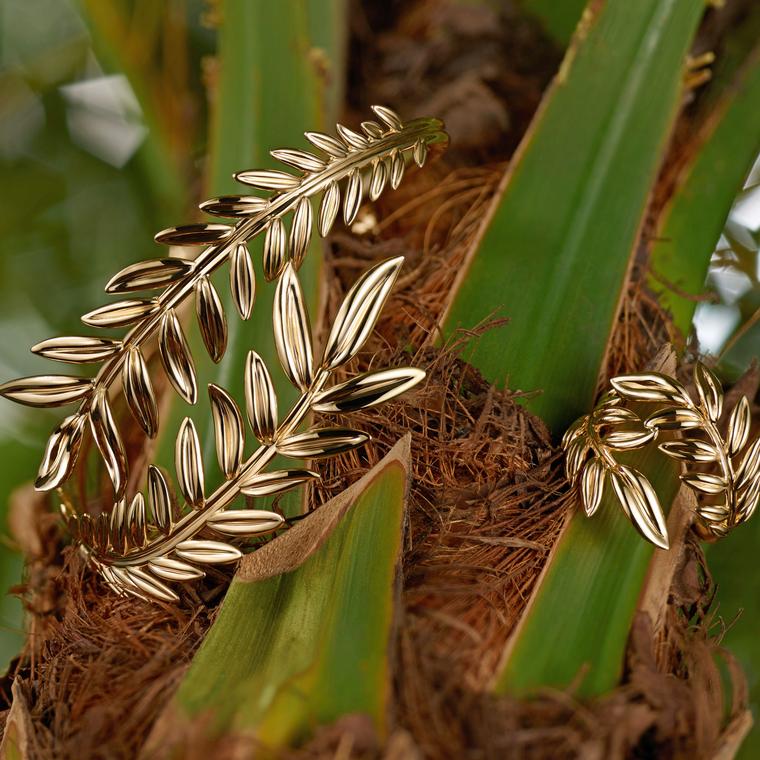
346	168
140	551
723	472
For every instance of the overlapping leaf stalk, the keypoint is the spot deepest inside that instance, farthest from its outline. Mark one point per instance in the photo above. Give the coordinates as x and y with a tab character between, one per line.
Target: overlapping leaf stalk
139	549
376	157
726	482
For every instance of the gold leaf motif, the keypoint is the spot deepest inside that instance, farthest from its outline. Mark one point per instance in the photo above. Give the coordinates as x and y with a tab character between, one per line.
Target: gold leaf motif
136	520
175	356
194	234
627	440
326	143
641	504
275	248
738	426
397	169
390	118
228	430
709	391
705	482
592	486
108	441
207	552
211	319
328	209
149	275
367	390
189	464
260	398
649	386
276	482
161	501
378	179
323	442
353	197
676	418
292	331
299	159
61	453
174	570
147	584
234	205
372	129
245	522
352	139
300	232
690	450
242	282
268	179
420	153
138	392
749	468
77	350
359	311
121	313
46	390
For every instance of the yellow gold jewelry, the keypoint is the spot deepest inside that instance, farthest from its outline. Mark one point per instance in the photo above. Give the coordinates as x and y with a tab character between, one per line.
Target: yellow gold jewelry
723	472
139	550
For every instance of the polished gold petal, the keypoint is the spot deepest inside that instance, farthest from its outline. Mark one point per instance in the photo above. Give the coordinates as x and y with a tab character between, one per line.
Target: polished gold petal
175	356
260	398
189	464
390	118
690	450
738	426
329	208
138	391
616	416
245	522
676	418
327	143
207	552
627	440
268	179
61	453
174	570
234	205
372	129
748	498
367	389
397	168
149	275
299	159
420	152
242	282
121	313
300	232
749	468
322	442
211	319
353	197
276	482
136	520
149	585
292	331
118	526
592	486
194	234
575	457
705	482
109	441
378	179
640	503
275	249
46	390
577	429
352	139
650	386
161	501
359	311
77	350
228	430
709	391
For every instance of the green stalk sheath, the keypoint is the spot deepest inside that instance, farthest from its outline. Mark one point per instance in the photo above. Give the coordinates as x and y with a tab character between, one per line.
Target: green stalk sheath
303	636
555	257
557	248
692	222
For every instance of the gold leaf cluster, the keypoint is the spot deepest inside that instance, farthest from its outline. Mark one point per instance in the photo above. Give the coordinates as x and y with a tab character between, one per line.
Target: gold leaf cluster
723	470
